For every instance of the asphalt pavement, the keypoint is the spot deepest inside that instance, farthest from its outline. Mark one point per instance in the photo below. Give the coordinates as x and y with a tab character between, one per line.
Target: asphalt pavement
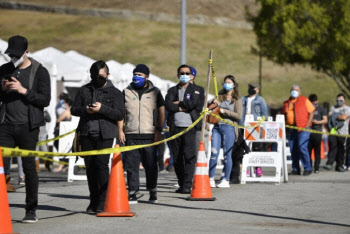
319	203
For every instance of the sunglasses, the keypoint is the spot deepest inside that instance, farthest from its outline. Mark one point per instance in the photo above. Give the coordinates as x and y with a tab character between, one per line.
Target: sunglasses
185	73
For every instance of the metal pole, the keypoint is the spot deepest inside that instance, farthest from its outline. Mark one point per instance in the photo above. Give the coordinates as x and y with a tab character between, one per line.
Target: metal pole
183	33
260	73
206	94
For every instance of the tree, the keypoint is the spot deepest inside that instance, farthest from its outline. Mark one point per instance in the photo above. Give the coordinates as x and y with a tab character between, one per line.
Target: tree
314	32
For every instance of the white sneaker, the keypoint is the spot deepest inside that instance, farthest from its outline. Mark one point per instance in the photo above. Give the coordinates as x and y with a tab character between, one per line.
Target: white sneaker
212	183
224	184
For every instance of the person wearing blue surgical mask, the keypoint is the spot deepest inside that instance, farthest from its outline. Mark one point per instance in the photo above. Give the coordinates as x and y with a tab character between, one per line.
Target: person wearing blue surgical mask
224	134
183	103
144	120
299	112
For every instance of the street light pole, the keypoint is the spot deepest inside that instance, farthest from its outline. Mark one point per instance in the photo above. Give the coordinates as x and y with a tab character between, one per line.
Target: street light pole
183	33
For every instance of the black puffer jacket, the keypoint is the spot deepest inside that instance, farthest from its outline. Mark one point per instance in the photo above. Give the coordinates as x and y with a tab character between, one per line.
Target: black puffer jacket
112	109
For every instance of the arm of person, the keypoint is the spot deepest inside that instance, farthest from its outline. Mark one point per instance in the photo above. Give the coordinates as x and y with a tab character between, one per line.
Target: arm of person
192	103
160	123
324	120
309	121
121	134
235	115
40	97
169	101
343	117
310	108
115	112
78	108
65	115
264	109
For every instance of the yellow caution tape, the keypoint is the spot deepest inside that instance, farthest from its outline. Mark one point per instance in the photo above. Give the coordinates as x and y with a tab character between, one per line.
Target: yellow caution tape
236	125
315	131
11	152
54	139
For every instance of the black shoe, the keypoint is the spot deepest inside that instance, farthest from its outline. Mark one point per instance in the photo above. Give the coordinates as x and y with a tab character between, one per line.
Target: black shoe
294	173
316	171
153	197
133	199
179	190
30	217
186	191
327	167
307	173
235	180
89	210
340	169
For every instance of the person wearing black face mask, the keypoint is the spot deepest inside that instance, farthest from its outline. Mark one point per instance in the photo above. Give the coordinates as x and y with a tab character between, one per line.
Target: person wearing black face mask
255	105
339	113
24	93
100	106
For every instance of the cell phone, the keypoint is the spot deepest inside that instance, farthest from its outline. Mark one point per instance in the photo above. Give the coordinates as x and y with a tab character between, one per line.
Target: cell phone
8	77
91	105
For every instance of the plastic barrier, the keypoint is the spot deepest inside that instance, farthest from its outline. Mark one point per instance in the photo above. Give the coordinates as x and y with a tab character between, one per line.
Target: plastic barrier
267	132
65	146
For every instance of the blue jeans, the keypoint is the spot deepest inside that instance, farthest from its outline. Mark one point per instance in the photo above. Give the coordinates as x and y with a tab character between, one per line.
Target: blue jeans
298	144
223	136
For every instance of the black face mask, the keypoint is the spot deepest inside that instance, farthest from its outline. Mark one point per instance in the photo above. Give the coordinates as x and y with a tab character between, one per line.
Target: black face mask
99	82
251	91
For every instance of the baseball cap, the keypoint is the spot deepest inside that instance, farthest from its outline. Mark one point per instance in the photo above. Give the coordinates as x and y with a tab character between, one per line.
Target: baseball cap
193	71
17	45
254	85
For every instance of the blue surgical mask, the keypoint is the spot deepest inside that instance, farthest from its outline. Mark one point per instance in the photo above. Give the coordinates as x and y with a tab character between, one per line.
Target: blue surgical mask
185	78
138	81
227	86
294	94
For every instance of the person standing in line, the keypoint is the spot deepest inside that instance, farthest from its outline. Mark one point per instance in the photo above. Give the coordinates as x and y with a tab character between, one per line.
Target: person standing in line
144	119
180	102
299	112
255	105
25	91
199	109
339	114
100	106
224	135
320	118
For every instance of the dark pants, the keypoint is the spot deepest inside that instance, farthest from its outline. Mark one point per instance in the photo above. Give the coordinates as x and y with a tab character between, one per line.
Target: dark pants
336	150
97	170
148	157
160	154
21	136
184	152
315	143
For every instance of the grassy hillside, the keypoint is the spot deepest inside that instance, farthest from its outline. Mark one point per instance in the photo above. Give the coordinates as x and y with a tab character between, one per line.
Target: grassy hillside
157	45
233	9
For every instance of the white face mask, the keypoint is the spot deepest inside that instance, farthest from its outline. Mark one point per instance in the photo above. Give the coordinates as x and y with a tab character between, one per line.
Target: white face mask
18	61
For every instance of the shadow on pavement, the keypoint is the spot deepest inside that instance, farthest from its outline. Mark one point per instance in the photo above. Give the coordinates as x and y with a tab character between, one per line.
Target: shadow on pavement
257	214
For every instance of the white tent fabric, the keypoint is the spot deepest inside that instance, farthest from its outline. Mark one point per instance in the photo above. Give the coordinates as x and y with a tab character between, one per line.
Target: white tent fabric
67	68
3	57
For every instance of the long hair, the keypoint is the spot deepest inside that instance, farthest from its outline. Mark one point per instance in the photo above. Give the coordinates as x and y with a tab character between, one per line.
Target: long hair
235	93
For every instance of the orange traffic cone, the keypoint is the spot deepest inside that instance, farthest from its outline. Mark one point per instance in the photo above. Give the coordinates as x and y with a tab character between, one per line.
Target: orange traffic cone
117	202
5	217
201	190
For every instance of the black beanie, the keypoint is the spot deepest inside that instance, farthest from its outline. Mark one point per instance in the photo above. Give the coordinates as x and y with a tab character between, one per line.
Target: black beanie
141	68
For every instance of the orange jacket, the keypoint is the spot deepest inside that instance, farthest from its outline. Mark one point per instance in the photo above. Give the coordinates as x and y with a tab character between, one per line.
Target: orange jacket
301	115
